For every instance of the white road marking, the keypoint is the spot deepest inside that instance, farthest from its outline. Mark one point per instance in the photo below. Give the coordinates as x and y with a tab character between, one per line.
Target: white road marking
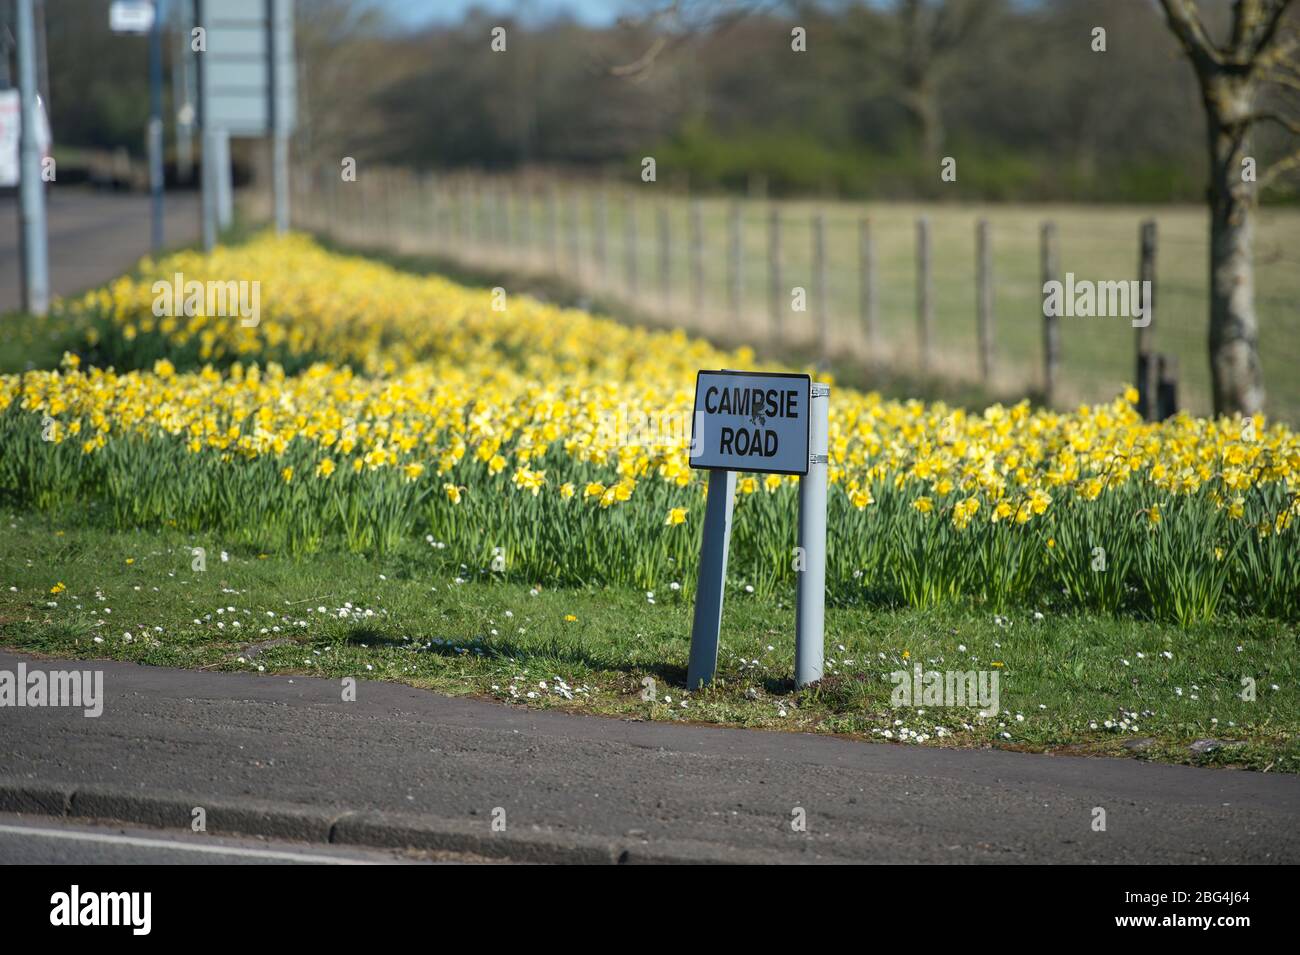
144	843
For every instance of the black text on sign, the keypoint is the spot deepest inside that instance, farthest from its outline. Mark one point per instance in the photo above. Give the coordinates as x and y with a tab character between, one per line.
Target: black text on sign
751	421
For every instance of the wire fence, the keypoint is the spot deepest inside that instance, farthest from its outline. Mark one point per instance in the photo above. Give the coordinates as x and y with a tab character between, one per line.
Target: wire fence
944	290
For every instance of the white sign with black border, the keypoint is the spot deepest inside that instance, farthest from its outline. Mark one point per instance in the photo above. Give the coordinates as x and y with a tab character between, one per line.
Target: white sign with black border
131	16
751	421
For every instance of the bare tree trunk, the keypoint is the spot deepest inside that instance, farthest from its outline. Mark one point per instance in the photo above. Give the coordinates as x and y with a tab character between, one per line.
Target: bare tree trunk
923	105
918	92
1235	371
1230	78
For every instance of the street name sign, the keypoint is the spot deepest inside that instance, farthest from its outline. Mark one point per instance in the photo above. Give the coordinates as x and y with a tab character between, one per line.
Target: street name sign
751	421
770	423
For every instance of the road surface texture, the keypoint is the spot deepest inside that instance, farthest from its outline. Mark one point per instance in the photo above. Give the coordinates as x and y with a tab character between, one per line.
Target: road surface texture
285	757
34	840
94	236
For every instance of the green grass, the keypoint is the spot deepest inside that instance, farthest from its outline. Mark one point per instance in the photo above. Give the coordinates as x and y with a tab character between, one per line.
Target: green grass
1097	242
405	618
28	343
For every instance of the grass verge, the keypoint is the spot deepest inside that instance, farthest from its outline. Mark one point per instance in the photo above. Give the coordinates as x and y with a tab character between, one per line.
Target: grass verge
1071	684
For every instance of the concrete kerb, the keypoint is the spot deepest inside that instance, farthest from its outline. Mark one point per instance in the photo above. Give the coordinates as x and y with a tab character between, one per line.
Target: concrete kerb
368	829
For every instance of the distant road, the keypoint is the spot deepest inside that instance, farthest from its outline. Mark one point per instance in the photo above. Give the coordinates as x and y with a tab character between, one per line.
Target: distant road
94	236
286	758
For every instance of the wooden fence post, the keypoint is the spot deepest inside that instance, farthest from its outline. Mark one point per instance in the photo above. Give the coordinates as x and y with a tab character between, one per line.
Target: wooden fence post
984	297
1167	387
697	263
524	208
775	293
600	222
503	218
1147	367
573	232
1049	262
734	262
384	235
477	226
436	211
924	292
629	222
665	255
478	211
821	305
552	237
462	210
868	303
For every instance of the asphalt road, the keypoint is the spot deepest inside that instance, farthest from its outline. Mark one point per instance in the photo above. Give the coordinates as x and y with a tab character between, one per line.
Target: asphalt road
671	789
27	840
94	236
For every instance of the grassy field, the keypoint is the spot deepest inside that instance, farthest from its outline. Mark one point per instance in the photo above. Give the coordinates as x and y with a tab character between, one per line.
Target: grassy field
1099	243
1069	684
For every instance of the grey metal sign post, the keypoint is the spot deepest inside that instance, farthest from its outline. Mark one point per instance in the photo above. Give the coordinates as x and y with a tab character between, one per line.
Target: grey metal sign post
31	215
810	598
713	576
775	424
155	130
281	83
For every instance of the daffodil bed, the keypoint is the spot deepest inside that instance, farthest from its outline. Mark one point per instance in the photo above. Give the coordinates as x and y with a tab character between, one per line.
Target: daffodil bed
369	407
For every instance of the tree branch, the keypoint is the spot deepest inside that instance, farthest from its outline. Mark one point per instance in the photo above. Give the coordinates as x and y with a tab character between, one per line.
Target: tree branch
674	11
1273	20
1279	169
1185	20
1292	126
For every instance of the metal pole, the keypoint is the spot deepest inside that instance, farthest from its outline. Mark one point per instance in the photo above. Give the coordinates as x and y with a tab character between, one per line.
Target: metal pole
209	173
155	133
280	181
4	47
42	59
35	258
182	101
225	184
211	146
713	578
810	599
279	121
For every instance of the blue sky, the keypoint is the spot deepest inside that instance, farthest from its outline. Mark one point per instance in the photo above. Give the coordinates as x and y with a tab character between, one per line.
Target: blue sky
416	12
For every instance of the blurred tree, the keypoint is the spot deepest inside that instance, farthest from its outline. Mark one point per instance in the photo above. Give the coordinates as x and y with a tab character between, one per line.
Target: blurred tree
347	52
1258	63
930	35
715	86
